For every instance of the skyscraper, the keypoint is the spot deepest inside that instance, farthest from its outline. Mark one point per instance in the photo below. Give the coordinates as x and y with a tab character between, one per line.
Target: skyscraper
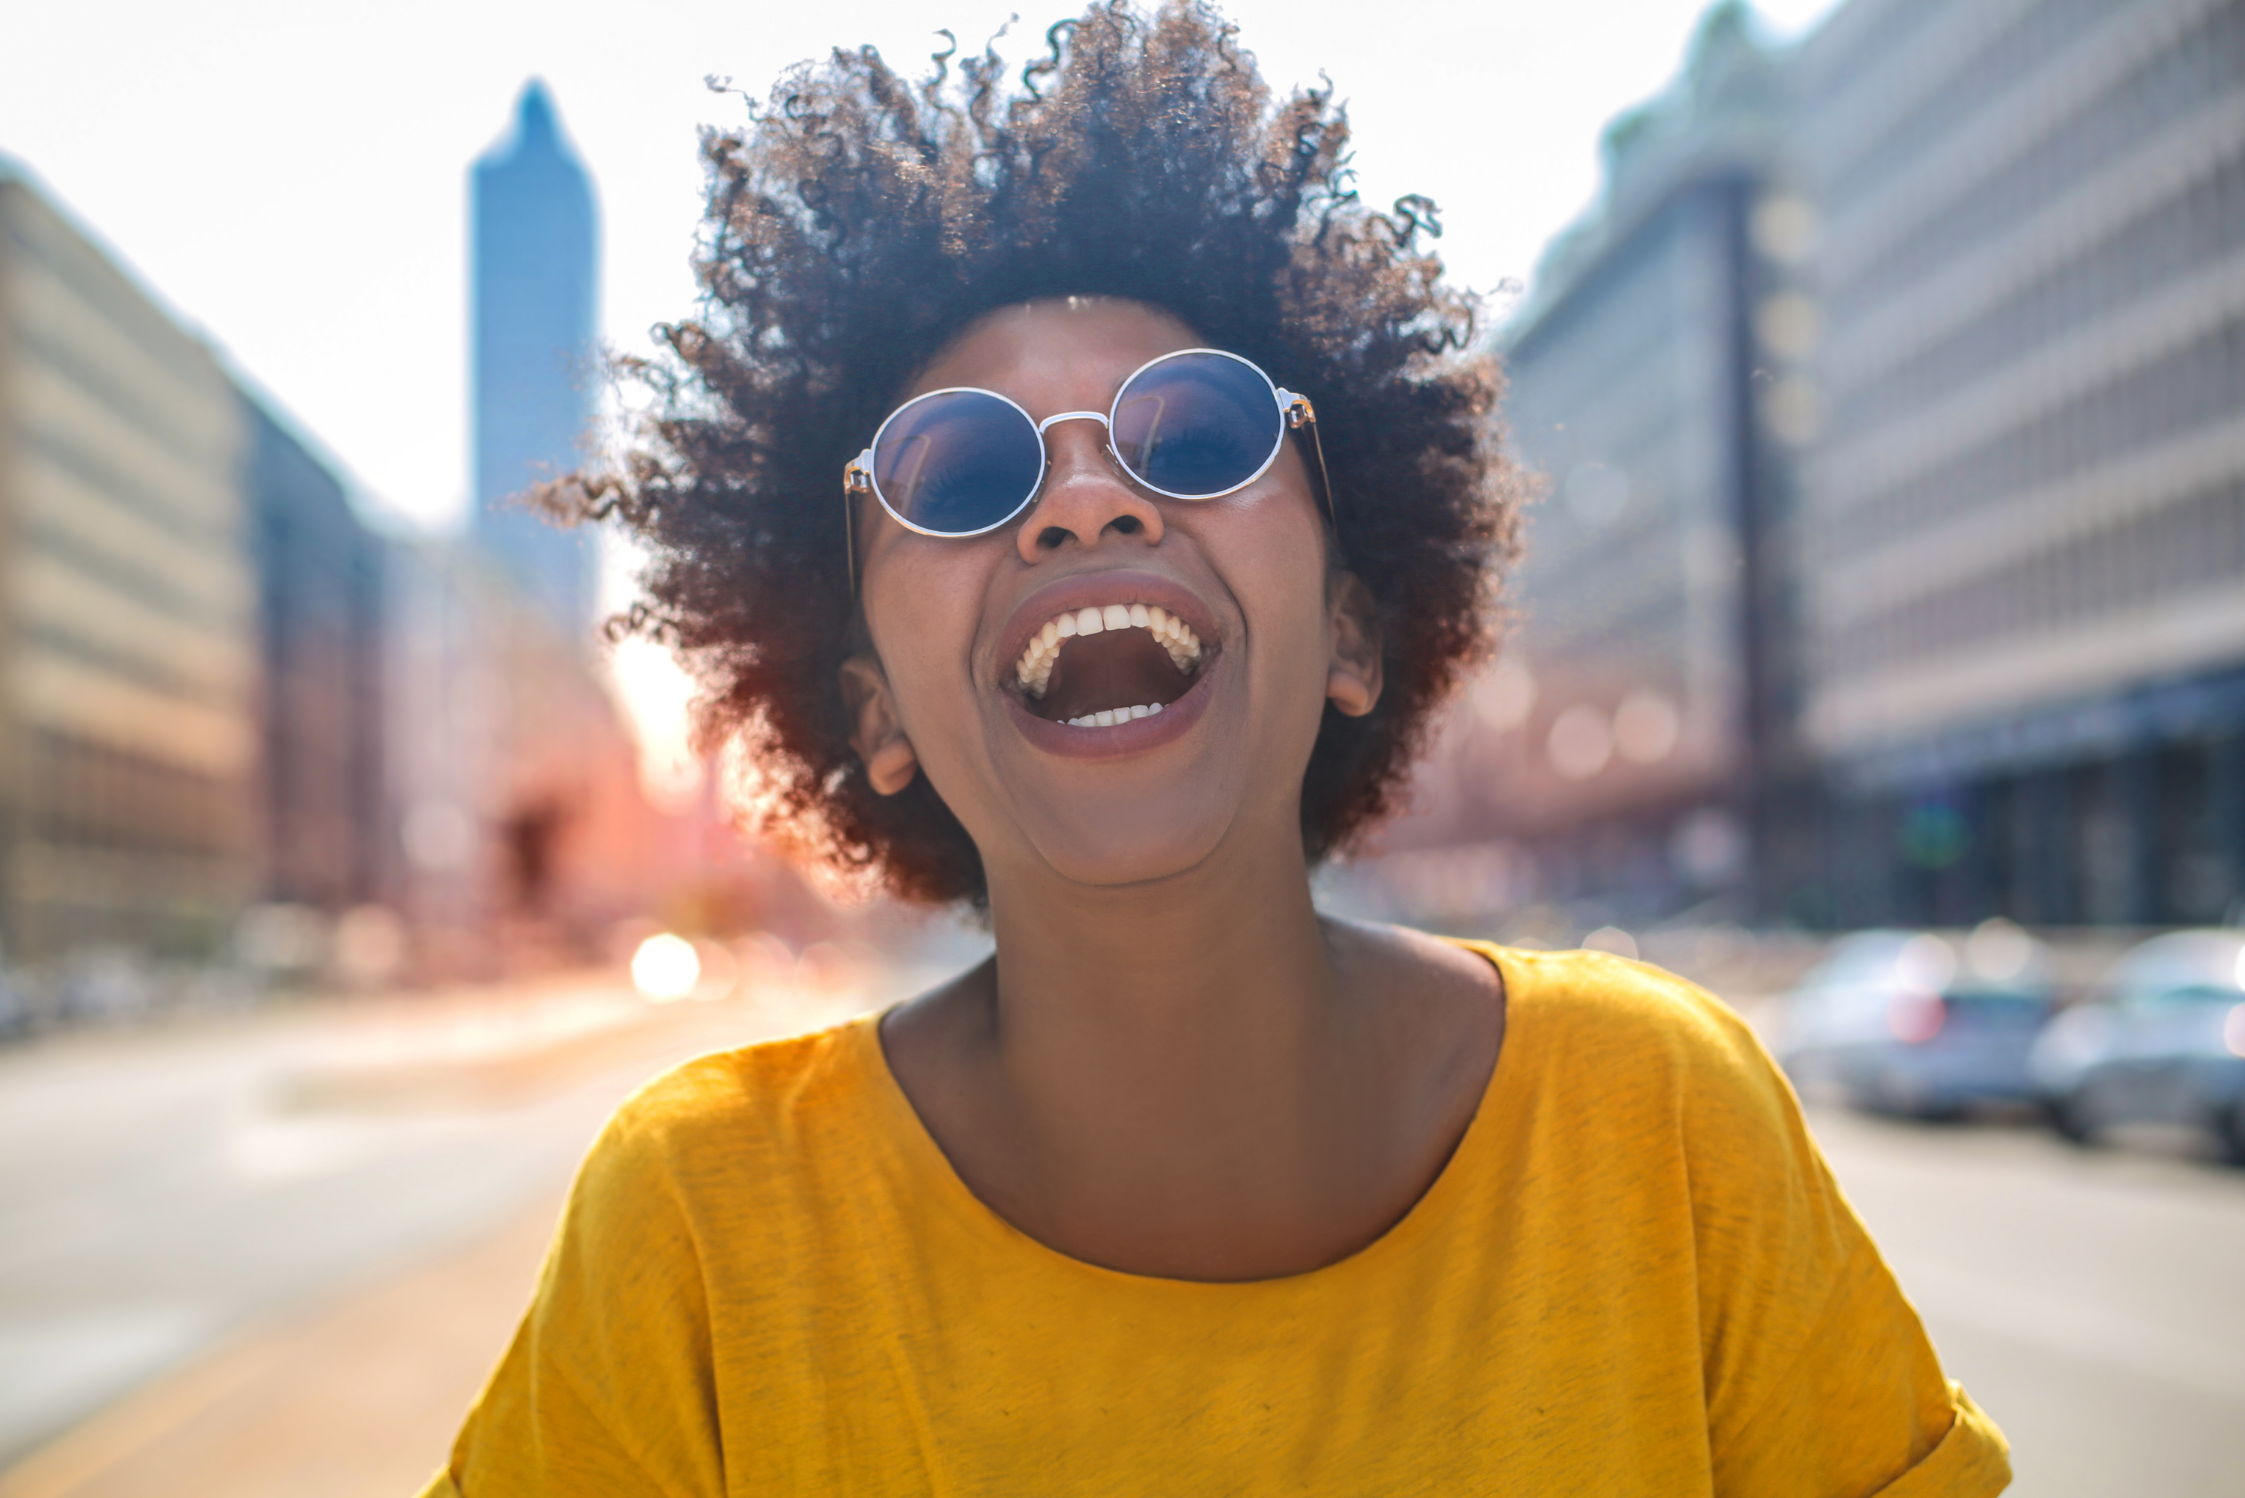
534	303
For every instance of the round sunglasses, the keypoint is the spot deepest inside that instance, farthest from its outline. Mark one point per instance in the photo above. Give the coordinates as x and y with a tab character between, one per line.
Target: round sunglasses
1196	424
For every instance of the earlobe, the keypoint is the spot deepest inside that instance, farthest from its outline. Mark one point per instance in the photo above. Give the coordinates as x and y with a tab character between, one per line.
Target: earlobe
1353	675
876	734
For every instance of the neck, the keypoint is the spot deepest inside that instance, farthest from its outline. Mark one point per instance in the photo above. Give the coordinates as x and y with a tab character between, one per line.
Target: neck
1188	976
1179	1067
1197	1076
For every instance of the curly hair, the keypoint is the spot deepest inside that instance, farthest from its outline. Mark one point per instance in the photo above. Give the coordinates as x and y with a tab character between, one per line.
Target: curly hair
858	224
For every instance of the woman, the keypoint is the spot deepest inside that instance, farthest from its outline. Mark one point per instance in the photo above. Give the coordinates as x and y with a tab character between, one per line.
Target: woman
986	529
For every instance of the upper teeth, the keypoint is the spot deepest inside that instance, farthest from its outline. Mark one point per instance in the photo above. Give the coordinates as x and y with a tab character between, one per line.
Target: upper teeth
1109	717
1034	669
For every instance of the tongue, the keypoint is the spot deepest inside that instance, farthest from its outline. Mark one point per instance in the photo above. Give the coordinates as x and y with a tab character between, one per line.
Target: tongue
1118	668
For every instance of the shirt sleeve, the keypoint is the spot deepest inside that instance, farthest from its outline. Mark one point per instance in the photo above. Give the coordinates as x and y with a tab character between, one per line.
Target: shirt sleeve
1820	1377
1862	1408
607	1387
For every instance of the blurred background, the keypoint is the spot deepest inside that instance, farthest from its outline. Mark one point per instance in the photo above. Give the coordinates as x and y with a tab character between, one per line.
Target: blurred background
1878	659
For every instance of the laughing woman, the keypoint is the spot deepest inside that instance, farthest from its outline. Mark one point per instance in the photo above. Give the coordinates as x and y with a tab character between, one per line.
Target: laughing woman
1076	503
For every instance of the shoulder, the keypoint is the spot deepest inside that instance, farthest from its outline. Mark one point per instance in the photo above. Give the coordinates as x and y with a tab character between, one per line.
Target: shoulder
685	1224
770	1079
1598	990
1624	1058
1649	1076
1640	1020
1639	1086
753	1115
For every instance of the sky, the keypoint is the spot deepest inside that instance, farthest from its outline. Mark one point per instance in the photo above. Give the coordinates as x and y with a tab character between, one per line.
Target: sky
289	176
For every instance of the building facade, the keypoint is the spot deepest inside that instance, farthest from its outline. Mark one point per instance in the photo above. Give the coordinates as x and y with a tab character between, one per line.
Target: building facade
534	289
1619	744
2021	545
129	736
325	813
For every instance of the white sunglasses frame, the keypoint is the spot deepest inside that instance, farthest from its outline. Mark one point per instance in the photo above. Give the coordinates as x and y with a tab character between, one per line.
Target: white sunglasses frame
1295	413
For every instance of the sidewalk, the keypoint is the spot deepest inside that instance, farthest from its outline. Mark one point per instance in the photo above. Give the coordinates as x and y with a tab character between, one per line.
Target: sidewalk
359	1398
354	1203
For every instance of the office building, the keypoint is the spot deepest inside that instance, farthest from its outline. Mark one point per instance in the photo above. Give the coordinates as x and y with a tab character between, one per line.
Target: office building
326	820
1617	746
2021	541
534	292
129	736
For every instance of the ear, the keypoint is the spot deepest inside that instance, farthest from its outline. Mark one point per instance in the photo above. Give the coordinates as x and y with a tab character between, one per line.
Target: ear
1353	674
877	734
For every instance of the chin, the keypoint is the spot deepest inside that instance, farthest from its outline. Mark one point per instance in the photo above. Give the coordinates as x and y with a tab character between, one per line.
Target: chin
1129	842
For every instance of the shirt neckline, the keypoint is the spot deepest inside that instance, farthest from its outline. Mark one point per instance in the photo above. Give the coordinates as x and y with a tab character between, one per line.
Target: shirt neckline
930	1169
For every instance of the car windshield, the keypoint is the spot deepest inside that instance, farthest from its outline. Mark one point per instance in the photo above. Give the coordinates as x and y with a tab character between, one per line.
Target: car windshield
1997	998
2207	964
2194	993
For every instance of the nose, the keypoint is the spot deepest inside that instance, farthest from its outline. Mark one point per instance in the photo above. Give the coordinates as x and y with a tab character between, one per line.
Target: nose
1086	494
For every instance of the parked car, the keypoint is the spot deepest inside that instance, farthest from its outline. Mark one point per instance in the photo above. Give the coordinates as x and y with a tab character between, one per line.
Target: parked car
2163	1043
1913	1023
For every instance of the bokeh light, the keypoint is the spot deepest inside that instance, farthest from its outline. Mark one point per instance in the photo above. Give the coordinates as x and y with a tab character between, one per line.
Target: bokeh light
665	968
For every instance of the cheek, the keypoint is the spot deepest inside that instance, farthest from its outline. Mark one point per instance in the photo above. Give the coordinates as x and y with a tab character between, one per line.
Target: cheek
1277	570
922	605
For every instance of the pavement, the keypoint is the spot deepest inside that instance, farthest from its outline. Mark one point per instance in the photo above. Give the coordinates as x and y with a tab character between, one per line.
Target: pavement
279	1251
2090	1300
358	1398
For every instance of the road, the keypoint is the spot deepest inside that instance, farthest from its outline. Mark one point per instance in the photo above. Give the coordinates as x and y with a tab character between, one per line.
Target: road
165	1190
277	1255
2093	1302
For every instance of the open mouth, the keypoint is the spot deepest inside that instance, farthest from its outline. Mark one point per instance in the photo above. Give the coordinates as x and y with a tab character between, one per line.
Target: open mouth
1098	666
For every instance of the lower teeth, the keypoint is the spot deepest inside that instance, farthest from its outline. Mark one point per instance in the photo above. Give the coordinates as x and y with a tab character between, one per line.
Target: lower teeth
1112	716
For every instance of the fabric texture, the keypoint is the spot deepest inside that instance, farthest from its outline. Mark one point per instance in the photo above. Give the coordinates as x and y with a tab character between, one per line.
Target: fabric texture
1634	1276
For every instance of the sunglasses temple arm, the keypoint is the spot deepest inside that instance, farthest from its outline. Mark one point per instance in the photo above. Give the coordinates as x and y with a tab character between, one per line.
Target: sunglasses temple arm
855	481
1299	414
1324	480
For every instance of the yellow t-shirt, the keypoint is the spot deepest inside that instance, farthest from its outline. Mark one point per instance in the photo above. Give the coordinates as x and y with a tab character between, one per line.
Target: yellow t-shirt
1635	1276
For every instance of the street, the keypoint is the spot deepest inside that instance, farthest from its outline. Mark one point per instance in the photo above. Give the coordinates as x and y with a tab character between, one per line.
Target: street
167	1191
277	1254
2091	1301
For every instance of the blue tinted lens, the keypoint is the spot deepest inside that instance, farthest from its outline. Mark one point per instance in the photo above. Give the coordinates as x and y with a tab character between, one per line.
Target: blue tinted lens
1197	424
957	462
